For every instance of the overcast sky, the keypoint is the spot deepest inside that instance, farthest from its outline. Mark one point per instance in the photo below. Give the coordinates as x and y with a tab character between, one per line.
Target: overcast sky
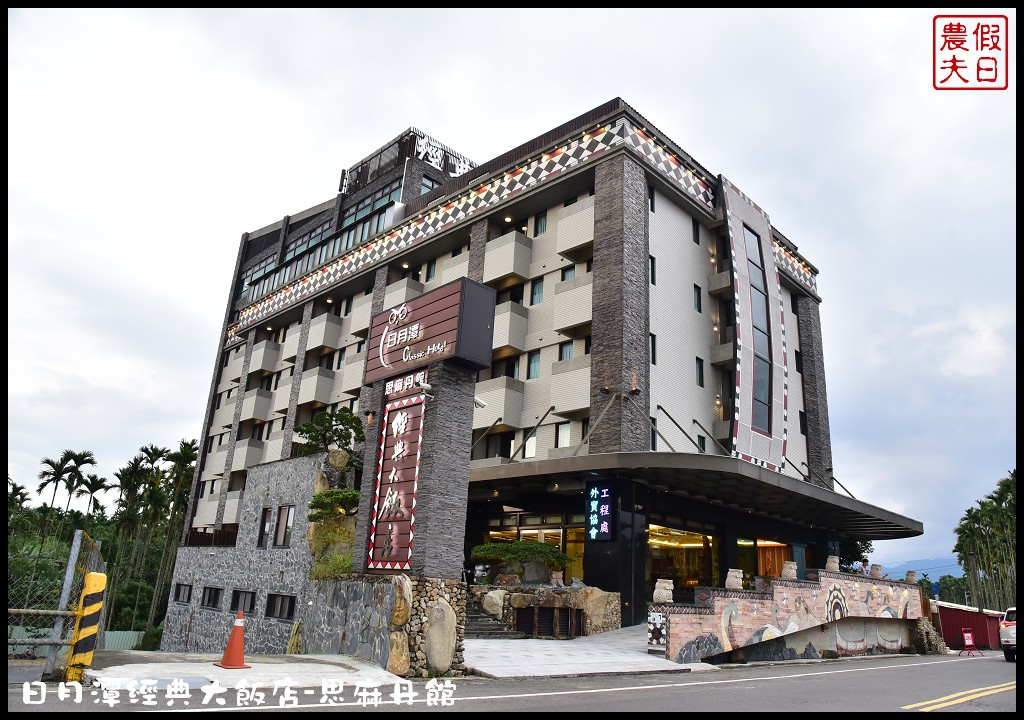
143	143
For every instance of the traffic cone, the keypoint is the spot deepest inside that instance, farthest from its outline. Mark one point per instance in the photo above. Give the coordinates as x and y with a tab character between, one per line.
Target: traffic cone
234	653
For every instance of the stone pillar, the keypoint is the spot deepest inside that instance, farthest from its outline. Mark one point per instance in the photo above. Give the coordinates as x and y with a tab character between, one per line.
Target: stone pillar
819	439
444	473
293	395
620	354
479	234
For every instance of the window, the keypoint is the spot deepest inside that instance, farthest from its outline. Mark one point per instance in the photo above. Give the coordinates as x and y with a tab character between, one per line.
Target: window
586	345
211	598
341	358
537	291
509	367
257	431
360	346
219	397
803	423
793	304
654	349
266	382
209	444
702	443
348	305
570	201
568	273
590	265
457	251
512	294
244	600
431	269
531	445
285	518
264	527
585	428
654	434
762	395
700	372
798	361
650	196
201	490
540	223
565	350
698	303
696	231
562	434
281	607
182	593
427	184
654	272
533	365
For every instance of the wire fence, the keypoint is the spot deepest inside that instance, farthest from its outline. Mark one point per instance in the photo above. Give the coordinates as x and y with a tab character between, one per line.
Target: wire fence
43	592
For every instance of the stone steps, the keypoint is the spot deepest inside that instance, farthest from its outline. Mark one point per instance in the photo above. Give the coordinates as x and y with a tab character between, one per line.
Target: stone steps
482	626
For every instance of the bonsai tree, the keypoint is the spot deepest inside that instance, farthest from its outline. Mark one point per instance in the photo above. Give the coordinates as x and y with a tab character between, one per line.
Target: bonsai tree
511	555
339	430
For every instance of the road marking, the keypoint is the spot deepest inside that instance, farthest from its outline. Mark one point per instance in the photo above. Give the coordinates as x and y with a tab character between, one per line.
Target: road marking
555	693
961	697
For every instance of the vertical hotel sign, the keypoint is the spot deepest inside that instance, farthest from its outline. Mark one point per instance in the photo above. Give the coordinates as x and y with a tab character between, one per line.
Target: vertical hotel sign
600	511
455	323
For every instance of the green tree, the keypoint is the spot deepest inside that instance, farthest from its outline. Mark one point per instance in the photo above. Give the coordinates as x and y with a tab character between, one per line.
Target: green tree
93	485
986	546
340	430
851	552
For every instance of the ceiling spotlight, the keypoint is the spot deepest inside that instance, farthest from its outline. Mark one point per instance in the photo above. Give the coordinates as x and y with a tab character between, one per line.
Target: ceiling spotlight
405	266
508	218
270	327
329	301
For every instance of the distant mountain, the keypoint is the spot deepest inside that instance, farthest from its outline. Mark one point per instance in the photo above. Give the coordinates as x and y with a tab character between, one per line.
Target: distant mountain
933	567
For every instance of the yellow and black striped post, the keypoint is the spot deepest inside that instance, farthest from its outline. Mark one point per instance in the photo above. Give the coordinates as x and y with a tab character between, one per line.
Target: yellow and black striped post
87	624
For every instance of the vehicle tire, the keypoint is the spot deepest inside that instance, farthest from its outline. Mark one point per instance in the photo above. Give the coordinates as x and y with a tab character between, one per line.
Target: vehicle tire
1010	655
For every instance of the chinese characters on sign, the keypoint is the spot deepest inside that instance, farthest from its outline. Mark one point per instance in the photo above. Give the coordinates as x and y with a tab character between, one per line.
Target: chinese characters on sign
970	52
282	693
394	497
600	511
404	385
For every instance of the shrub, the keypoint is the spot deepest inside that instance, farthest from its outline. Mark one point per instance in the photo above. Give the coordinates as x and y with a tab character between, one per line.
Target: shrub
326	534
521	551
331	567
332	504
150	639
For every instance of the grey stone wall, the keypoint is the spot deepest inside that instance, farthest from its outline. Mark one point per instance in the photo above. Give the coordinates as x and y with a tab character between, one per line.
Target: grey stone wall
425	593
819	438
620	355
443	489
350	617
479	234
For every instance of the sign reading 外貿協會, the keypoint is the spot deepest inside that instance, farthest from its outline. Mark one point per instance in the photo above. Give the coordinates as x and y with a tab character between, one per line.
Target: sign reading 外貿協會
454	322
600	511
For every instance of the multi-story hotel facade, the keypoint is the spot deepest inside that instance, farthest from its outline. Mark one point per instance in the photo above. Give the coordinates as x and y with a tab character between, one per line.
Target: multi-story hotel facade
656	340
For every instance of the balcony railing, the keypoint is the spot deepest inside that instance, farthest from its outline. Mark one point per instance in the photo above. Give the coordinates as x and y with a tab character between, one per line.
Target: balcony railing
225	537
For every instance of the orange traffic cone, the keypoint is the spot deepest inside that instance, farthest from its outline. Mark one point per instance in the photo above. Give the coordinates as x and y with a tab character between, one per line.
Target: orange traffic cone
234	653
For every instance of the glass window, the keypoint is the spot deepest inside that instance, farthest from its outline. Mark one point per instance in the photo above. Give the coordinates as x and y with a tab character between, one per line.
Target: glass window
341	358
654	349
281	606
182	593
211	598
698	303
803	423
759	309
431	269
653	270
702	445
533	365
562	434
654	434
537	291
244	600
696	231
565	350
586	345
570	201
798	361
761	416
540	223
531	446
650	196
762	379
285	519
568	273
761	343
700	372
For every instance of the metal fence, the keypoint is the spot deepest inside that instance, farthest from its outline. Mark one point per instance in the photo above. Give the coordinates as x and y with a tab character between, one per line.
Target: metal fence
43	591
121	639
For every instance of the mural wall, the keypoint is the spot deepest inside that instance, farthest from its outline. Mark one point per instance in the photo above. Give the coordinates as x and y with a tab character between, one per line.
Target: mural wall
837	615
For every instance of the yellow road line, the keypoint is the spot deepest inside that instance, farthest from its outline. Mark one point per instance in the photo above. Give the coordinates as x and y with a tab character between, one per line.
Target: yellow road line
961	697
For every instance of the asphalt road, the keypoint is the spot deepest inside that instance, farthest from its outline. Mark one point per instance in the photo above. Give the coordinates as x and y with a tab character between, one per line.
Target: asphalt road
874	684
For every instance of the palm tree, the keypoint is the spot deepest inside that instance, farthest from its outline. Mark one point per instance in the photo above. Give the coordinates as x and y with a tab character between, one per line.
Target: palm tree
53	473
92	485
75	478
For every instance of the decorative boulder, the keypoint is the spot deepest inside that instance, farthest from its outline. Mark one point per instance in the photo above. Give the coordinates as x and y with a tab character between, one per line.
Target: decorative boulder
403	601
398	660
493	603
535	571
505	579
439	642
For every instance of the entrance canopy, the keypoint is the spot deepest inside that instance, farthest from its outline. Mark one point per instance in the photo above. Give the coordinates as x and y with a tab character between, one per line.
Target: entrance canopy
714	479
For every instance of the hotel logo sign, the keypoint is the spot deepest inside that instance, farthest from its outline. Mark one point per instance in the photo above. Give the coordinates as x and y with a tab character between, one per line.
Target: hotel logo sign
600	511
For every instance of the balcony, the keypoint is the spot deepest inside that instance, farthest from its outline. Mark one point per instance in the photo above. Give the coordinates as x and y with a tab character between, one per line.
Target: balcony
232	506
206	511
576	231
507	260
290	347
573	302
510	322
281	397
233	372
217	538
224	416
265	355
401	292
724	354
248	452
359	318
215	461
455	268
722	430
720	283
352	373
256	404
504	398
317	384
570	385
325	331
